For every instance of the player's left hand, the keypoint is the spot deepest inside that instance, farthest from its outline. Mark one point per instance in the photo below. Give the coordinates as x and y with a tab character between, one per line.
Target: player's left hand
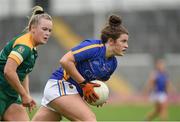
32	105
29	102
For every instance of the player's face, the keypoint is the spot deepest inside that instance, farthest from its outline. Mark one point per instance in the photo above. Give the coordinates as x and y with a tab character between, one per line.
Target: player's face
42	31
120	45
160	65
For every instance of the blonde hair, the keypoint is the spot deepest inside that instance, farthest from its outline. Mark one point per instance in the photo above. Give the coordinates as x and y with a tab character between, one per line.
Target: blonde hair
37	14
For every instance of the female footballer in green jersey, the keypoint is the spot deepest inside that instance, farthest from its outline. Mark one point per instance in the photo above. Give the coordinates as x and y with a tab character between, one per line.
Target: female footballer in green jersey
17	60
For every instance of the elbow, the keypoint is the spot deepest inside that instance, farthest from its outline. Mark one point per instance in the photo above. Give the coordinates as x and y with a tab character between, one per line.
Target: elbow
9	70
67	60
6	72
63	62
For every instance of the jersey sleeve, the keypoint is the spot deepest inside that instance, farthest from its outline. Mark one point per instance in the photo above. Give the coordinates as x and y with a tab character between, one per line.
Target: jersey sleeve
86	50
19	53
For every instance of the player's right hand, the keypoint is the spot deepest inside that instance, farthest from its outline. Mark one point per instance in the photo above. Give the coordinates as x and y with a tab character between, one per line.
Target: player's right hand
88	91
27	101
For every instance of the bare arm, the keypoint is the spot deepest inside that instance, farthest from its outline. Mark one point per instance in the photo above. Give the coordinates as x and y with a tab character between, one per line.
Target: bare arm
170	88
68	63
12	77
25	84
150	83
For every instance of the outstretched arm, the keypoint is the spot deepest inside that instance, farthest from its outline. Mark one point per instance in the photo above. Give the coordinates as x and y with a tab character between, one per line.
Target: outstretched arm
170	88
150	84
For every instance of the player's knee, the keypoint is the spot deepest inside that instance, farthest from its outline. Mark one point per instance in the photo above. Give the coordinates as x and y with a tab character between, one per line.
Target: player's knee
16	117
40	116
15	112
7	117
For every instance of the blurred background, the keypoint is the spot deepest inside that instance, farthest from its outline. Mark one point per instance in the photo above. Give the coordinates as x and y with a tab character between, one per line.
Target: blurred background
154	27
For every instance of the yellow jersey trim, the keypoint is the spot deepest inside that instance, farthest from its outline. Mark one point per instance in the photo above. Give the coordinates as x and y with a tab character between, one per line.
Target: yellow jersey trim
87	47
17	55
25	39
14	57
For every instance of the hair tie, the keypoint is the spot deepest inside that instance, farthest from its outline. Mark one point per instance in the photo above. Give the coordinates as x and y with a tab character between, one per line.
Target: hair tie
39	12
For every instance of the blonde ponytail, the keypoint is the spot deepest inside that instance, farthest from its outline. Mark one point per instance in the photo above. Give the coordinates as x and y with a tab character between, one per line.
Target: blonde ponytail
37	10
37	14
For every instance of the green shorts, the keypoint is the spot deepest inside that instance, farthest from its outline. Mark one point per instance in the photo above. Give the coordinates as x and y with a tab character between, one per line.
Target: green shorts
6	101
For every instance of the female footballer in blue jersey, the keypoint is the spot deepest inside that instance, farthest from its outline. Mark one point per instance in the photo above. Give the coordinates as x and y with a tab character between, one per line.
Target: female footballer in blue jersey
17	60
90	60
158	85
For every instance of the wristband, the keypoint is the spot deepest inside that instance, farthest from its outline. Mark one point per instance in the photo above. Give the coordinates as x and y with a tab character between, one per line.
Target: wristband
82	84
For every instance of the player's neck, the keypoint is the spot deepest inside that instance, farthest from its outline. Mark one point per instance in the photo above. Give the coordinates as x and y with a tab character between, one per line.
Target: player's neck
109	52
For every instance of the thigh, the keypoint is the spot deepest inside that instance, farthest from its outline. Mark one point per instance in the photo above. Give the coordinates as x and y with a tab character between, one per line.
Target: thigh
45	114
16	112
10	108
73	108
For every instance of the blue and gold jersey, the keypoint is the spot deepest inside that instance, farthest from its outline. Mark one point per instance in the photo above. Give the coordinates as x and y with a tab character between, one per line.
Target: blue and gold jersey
91	62
161	82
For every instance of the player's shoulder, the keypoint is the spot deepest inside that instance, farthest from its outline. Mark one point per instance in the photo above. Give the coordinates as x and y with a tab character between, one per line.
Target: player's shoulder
89	48
92	44
92	41
24	39
88	45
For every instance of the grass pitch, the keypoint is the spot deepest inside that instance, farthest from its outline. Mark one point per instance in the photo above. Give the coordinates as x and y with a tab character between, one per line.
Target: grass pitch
128	112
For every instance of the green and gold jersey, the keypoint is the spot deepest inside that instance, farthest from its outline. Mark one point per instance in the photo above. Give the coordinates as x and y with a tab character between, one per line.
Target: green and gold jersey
22	50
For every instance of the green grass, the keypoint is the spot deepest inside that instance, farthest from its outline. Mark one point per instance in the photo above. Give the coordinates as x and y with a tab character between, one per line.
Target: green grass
129	112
